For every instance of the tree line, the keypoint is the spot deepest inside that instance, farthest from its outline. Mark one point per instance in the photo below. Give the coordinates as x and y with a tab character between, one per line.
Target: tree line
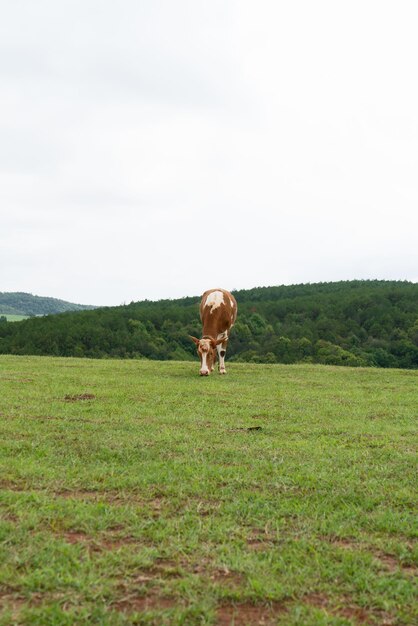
357	323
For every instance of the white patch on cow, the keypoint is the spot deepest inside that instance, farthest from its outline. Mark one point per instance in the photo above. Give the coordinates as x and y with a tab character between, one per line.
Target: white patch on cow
223	335
232	302
204	367
214	300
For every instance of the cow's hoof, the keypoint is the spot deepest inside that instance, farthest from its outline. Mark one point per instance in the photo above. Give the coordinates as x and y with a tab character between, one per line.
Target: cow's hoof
222	371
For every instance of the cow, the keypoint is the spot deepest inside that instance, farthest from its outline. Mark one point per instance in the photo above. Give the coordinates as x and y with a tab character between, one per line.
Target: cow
218	312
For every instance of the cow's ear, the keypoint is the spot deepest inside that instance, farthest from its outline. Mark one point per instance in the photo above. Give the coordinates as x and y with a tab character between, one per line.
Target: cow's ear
216	342
195	340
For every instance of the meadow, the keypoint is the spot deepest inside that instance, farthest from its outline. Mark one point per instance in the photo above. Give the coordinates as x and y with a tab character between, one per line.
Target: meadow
136	492
14	318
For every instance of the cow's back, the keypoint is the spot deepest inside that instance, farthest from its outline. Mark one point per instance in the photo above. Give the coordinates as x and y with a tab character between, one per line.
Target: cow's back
218	311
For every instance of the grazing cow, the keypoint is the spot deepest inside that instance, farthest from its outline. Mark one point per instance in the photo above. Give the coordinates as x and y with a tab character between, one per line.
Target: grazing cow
218	312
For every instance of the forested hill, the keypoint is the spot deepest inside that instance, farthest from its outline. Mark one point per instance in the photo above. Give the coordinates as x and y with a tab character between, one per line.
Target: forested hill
20	303
346	323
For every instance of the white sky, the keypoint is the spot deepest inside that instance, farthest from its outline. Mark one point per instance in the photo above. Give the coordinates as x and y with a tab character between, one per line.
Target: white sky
153	149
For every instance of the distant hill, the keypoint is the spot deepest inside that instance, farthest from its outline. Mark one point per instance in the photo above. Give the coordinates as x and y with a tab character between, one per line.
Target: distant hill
20	303
358	323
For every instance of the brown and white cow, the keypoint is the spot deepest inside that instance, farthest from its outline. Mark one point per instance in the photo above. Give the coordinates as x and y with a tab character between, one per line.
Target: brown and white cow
218	312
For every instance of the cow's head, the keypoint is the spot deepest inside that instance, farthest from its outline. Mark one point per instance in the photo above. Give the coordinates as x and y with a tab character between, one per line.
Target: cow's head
206	349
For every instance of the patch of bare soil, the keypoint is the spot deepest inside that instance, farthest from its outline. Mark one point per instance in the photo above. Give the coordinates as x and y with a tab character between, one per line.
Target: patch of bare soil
105	541
392	564
11	602
342	542
167	569
118	498
81	494
259	540
248	429
74	536
207	507
7	516
226	576
161	568
248	614
80	538
112	497
222	574
10	485
17	380
348	609
151	601
115	542
389	561
319	600
258	545
32	417
81	396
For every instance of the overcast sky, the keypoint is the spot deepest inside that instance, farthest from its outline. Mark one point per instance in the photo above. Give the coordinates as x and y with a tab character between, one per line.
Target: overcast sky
153	149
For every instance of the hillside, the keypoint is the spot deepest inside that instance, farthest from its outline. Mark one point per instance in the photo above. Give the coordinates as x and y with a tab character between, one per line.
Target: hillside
358	323
20	303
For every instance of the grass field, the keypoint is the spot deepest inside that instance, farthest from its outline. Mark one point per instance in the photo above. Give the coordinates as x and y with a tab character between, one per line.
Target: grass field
136	492
14	318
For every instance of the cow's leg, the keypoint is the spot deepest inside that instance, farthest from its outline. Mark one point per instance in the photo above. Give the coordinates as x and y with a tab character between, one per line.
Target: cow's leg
221	354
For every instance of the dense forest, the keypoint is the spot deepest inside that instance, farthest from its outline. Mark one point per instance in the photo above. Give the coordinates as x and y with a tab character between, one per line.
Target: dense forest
358	323
20	303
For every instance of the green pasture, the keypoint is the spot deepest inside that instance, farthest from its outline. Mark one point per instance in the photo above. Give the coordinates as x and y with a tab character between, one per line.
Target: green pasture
14	318
136	492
